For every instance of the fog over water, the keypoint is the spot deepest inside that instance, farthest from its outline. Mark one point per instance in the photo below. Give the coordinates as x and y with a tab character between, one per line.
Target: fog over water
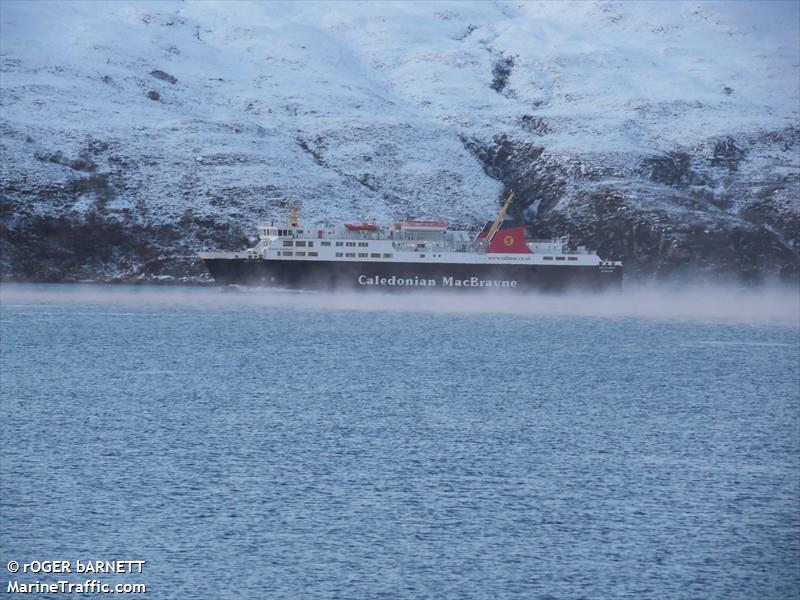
774	305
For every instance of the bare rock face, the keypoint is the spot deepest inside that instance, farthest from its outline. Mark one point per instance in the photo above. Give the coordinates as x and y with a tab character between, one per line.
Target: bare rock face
95	247
690	212
159	74
92	230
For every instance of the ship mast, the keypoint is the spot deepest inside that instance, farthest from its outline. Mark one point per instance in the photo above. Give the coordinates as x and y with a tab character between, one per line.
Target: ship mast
499	218
292	214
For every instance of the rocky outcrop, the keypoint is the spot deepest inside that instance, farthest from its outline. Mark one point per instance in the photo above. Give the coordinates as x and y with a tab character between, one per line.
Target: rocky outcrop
689	212
95	247
663	244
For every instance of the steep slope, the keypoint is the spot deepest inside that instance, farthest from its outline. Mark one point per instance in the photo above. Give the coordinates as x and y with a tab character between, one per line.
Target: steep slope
135	134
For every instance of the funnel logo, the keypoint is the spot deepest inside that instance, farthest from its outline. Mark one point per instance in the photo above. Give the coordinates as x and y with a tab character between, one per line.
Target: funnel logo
510	241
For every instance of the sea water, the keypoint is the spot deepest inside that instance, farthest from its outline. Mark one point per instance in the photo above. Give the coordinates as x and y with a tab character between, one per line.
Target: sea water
289	446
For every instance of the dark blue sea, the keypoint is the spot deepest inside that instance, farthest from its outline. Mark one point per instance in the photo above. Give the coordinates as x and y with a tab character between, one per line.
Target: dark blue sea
267	445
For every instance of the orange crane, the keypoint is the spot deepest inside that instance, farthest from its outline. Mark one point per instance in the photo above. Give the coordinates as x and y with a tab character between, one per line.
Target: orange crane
499	219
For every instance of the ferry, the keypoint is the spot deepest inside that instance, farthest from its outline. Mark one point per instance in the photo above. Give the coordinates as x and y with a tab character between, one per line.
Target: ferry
411	255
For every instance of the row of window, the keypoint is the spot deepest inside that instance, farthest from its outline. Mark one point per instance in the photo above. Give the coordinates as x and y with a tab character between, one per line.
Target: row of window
352	244
338	254
279	232
561	258
310	244
362	255
301	243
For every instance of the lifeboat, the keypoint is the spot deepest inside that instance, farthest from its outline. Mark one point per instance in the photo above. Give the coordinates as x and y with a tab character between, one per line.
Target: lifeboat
361	227
437	225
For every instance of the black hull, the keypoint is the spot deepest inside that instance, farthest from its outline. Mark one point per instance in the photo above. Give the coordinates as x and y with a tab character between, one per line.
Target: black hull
398	276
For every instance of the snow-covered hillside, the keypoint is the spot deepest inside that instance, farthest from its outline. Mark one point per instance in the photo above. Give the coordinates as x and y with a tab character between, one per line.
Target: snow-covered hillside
137	132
